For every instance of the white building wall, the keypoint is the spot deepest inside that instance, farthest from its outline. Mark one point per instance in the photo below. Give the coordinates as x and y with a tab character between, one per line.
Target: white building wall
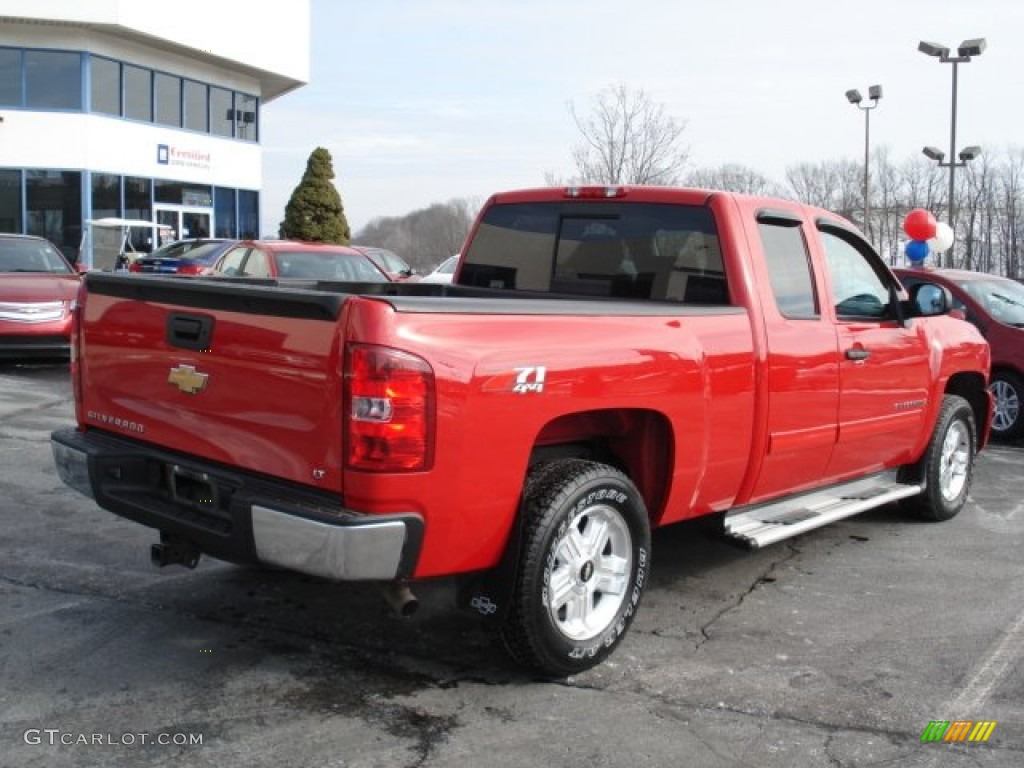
74	142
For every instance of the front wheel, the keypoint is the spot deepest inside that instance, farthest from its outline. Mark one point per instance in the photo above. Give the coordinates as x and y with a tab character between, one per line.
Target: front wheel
585	559
1007	391
947	467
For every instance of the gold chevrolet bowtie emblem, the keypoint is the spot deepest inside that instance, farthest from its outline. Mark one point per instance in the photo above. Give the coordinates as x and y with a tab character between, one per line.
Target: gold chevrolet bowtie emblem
187	379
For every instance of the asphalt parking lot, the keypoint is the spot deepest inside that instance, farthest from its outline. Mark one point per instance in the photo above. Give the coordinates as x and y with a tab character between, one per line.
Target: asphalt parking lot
837	648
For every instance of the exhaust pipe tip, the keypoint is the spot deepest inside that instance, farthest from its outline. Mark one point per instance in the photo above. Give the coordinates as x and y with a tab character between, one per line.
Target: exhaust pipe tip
401	599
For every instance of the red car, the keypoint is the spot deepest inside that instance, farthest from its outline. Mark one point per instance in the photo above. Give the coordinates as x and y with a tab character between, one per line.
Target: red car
37	293
295	259
996	306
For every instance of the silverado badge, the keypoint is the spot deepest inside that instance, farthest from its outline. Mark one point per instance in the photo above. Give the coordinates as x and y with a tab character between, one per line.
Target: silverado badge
187	379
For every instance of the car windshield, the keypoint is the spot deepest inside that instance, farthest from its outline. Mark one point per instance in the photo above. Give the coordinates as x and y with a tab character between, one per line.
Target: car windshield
28	255
328	266
1004	299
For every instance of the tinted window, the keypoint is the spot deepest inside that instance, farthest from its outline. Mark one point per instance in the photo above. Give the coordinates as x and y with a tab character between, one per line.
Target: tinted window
106	195
10	77
857	289
138	93
789	269
224	212
168	99
105	86
246	117
248	213
138	204
196	110
53	80
10	201
222	112
54	207
637	250
347	267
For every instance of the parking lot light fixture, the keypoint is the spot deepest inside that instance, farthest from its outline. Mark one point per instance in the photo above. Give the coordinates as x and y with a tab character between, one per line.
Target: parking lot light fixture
966	51
855	98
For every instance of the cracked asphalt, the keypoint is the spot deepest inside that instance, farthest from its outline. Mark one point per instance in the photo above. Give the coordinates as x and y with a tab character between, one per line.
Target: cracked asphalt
833	649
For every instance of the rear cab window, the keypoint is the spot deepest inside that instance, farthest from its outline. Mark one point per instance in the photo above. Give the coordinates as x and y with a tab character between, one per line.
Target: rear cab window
651	251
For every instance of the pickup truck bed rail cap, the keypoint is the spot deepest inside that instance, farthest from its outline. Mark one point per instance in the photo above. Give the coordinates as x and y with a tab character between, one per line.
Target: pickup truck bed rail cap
264	298
553	306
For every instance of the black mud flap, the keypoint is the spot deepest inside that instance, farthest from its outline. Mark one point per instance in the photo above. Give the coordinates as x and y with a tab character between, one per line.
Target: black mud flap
488	594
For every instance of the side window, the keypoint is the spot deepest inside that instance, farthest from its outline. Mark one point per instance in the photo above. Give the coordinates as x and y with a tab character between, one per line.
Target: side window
231	262
256	265
857	289
789	268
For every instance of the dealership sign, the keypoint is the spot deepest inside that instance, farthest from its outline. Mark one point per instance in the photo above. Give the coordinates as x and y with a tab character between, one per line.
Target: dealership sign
168	154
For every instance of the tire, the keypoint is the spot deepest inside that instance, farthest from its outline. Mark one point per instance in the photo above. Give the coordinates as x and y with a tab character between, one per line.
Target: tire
947	467
1008	391
584	565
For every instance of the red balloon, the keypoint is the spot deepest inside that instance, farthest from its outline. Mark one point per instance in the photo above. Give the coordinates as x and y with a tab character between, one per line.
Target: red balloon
919	224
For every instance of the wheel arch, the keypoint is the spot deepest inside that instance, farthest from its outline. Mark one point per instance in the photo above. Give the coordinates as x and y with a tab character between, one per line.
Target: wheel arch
971	387
639	442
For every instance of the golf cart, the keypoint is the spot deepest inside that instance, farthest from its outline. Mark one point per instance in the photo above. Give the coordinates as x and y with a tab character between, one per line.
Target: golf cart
107	243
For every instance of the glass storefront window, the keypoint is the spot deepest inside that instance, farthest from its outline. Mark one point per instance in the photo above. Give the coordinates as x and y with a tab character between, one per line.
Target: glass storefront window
138	93
182	193
10	201
106	195
138	204
248	214
247	117
53	204
224	212
10	77
222	112
168	99
104	86
196	108
53	80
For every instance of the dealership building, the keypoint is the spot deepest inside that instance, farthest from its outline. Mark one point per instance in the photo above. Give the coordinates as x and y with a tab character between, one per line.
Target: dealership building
142	110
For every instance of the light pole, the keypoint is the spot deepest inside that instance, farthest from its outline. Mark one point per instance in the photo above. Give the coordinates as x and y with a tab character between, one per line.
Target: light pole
854	97
965	52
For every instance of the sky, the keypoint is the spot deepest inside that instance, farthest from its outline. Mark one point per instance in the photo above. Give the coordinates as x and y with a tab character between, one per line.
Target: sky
423	101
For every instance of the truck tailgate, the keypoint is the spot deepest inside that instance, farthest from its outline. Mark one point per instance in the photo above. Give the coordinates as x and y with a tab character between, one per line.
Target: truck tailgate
249	377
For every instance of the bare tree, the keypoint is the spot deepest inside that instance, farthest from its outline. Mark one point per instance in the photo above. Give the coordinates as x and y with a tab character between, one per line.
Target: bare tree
733	177
425	237
628	139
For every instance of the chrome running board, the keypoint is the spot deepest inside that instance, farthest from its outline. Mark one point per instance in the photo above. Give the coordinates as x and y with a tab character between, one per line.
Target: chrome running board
765	524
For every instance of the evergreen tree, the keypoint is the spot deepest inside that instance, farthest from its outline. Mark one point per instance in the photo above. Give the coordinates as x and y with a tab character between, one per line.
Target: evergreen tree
314	212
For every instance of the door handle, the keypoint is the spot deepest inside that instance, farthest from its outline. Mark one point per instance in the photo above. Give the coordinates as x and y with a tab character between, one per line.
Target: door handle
857	353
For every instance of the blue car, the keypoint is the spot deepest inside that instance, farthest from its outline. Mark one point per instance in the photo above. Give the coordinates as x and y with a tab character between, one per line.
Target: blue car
183	257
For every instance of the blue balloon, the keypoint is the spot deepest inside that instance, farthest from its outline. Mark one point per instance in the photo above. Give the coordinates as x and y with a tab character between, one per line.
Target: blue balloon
917	250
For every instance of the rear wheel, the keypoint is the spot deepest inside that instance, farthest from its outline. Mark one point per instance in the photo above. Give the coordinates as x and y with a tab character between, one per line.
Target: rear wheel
947	467
586	553
1008	390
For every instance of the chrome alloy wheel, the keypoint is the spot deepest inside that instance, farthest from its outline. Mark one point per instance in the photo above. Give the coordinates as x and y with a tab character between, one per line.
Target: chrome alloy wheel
1007	405
956	454
589	573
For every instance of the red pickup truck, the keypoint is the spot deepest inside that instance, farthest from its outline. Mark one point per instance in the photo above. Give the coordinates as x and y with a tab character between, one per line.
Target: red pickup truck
608	360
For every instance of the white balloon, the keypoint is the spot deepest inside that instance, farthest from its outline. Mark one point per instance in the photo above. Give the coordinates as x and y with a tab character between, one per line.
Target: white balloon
943	237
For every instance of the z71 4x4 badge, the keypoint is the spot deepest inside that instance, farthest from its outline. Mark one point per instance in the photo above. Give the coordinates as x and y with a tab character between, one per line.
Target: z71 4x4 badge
530	379
521	380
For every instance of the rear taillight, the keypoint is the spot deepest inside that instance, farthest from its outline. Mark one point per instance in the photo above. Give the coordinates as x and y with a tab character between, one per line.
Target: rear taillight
191	269
389	410
135	267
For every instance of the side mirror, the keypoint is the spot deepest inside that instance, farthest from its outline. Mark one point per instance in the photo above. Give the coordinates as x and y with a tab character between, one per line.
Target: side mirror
929	299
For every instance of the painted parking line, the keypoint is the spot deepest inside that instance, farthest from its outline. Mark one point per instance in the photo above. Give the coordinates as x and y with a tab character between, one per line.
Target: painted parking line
995	667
